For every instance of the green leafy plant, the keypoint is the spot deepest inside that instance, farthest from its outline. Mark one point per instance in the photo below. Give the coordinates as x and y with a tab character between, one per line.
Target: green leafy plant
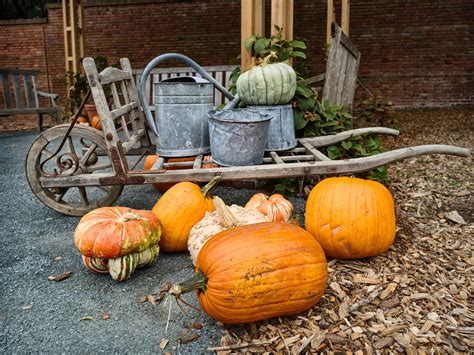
79	85
376	109
312	117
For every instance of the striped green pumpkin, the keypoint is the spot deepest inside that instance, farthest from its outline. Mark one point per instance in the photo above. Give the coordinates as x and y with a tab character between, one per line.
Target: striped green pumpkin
267	84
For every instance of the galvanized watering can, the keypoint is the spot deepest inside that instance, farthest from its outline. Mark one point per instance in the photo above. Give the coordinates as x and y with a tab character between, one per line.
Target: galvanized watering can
181	107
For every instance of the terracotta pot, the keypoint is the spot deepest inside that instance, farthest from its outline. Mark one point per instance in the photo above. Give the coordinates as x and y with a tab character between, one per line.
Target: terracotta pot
91	110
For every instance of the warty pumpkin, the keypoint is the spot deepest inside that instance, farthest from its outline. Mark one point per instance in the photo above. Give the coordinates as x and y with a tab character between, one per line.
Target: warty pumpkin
179	209
258	271
116	240
164	186
224	217
352	218
267	84
276	207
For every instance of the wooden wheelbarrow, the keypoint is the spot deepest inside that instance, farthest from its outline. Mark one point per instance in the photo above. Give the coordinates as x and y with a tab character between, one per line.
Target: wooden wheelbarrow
76	168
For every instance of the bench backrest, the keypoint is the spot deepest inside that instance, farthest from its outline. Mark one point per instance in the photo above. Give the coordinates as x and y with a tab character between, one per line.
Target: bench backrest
19	89
219	72
341	70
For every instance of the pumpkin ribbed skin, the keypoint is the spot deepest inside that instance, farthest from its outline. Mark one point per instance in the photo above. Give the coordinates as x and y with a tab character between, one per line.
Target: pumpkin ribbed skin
352	218
276	207
270	84
111	232
260	271
178	210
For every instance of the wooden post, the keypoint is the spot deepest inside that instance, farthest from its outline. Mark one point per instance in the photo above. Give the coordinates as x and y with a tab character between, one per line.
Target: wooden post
345	13
282	16
252	22
330	19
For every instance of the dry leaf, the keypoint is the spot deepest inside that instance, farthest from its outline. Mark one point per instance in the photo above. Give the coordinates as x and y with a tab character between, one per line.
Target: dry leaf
163	343
388	290
196	325
105	316
61	277
188	338
151	299
27	307
86	318
455	217
58	258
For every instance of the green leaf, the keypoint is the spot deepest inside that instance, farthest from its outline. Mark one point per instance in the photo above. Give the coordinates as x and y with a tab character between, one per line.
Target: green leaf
306	104
283	56
304	90
298	54
298	44
298	117
333	152
346	145
261	44
249	43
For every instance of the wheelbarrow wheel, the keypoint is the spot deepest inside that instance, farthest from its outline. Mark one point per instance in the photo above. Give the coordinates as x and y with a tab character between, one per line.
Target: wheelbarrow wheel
84	152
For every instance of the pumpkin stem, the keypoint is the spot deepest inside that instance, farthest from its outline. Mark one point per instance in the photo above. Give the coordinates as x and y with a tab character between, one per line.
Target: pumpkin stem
268	58
210	185
129	216
228	219
197	282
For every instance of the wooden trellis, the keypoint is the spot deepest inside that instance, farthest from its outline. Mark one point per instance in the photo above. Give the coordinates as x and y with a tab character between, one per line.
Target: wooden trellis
73	18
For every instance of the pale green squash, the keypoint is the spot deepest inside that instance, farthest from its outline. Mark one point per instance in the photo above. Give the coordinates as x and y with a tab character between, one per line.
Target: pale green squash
267	84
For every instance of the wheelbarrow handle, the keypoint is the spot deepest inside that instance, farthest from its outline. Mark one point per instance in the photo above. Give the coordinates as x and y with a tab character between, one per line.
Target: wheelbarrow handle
157	60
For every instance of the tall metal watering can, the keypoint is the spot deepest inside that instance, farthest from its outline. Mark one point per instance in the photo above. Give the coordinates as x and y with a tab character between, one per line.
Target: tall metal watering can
181	107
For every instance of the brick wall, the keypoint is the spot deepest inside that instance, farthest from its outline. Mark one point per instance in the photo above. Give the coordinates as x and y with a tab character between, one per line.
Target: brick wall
417	53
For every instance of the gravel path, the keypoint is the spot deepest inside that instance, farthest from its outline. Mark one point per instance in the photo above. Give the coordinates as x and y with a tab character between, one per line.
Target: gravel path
41	315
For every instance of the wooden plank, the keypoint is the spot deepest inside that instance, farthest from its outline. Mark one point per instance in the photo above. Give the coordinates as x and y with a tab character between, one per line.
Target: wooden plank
10	71
317	154
26	110
30	99
345	13
198	161
290	158
270	171
347	43
7	99
350	82
324	141
330	18
123	110
276	158
252	22
111	74
134	139
157	165
17	91
282	16
339	84
332	67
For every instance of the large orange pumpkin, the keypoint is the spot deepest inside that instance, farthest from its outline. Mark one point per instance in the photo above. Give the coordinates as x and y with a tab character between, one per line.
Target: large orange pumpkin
278	208
164	186
116	240
179	209
352	218
258	271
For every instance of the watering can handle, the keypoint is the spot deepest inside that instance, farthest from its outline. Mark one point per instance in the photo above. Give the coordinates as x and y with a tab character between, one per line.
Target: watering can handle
157	60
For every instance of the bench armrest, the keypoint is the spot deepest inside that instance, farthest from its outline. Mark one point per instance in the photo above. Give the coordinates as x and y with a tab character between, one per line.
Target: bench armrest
47	94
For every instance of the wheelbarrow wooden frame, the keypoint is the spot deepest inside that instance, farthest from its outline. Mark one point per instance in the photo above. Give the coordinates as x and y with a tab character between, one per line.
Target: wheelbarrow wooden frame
124	133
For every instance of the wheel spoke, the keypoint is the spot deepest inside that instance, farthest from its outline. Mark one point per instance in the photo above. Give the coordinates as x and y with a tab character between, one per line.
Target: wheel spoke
47	152
71	145
88	153
96	167
83	193
104	188
58	197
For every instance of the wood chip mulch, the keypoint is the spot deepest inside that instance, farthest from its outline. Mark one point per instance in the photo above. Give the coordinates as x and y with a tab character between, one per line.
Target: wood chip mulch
417	297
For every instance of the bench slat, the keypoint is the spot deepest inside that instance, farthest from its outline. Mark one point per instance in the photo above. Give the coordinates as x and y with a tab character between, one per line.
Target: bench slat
6	92
30	99
17	91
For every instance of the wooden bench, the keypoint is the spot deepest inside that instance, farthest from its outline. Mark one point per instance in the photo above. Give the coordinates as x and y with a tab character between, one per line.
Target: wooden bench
21	84
219	72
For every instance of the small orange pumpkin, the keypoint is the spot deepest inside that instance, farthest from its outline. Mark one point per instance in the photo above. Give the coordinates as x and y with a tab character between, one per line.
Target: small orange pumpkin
82	119
95	122
179	209
164	186
278	208
258	271
352	218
